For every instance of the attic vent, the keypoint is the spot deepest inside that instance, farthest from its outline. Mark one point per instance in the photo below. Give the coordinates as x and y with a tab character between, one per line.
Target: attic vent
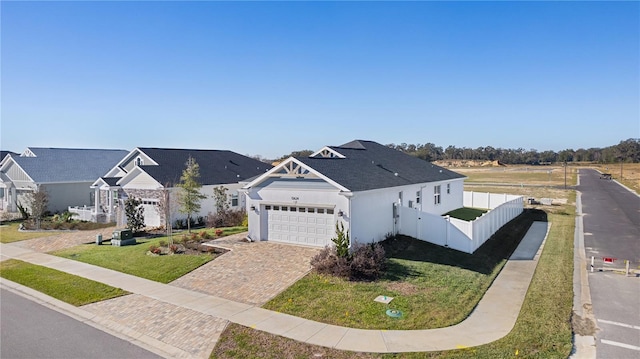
396	174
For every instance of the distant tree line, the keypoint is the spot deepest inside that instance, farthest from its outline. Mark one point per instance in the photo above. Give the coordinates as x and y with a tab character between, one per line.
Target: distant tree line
625	151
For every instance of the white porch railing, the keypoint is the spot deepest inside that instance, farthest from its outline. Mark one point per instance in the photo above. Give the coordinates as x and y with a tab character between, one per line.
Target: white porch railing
465	236
83	213
88	213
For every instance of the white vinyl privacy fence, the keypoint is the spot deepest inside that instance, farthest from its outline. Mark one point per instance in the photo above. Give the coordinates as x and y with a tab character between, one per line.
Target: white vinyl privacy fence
458	234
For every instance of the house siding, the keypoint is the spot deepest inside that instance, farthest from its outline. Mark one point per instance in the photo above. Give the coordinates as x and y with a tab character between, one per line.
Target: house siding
131	163
372	211
63	195
16	173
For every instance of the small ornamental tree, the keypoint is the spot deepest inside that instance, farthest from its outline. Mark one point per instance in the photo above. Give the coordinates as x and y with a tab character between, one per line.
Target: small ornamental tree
38	201
135	214
341	241
220	197
164	210
189	198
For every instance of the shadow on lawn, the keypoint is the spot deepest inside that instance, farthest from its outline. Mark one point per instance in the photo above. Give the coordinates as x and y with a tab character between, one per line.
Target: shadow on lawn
499	247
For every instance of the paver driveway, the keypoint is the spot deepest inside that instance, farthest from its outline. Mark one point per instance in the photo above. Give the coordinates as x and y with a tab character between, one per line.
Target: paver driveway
63	239
251	273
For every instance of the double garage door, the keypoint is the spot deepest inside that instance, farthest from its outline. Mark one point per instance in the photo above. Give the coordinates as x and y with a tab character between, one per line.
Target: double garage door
303	225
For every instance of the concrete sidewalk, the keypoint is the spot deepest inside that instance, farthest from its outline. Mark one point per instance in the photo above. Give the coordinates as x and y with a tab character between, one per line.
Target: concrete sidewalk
492	319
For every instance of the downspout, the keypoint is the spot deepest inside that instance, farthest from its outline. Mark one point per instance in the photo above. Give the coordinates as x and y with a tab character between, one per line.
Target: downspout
349	195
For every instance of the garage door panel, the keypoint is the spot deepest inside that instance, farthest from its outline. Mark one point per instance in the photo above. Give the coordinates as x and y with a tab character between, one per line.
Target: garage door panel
304	225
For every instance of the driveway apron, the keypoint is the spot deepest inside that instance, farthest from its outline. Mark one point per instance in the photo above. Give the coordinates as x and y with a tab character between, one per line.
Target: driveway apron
250	273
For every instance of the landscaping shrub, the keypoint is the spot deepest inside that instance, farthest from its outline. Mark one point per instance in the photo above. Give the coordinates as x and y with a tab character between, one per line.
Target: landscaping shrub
226	218
341	240
219	232
328	262
368	262
173	248
155	249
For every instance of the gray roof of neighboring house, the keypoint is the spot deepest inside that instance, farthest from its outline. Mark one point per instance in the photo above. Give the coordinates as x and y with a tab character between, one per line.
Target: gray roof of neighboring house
369	165
51	165
216	166
4	153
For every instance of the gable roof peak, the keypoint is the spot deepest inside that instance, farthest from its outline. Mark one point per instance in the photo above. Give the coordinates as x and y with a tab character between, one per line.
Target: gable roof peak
355	145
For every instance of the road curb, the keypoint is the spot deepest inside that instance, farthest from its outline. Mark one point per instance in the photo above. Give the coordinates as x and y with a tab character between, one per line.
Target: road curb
584	346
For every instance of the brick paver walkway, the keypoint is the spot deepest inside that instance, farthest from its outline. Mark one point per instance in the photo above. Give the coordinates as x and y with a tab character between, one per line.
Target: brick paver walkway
64	239
194	332
250	273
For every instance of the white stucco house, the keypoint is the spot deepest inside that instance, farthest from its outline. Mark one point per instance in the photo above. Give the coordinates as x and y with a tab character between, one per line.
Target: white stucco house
145	172
66	174
360	184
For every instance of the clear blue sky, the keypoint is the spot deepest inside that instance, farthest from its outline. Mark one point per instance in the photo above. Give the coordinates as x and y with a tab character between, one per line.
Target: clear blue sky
269	78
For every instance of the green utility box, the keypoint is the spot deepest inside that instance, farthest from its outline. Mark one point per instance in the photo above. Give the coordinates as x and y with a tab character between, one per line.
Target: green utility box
122	237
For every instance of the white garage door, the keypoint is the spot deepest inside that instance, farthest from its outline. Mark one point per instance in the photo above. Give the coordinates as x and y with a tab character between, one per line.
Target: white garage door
151	213
304	225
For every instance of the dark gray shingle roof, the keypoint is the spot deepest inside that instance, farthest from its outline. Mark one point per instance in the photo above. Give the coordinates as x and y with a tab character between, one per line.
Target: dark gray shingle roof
369	165
4	153
216	166
68	164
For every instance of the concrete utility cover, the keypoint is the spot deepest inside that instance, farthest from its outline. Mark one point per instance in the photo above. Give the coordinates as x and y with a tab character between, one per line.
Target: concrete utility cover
383	299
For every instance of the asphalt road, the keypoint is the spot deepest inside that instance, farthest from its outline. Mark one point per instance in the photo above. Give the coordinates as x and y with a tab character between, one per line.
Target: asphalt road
612	230
30	330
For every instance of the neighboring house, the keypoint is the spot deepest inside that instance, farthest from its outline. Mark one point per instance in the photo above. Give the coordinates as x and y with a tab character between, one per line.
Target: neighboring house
360	184
3	154
146	173
65	173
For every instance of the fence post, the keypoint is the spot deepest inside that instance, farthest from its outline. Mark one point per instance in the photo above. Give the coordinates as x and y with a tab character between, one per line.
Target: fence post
627	267
592	260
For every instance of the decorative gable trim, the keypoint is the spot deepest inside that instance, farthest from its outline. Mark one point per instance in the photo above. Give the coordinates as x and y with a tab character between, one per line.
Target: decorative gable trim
28	153
293	168
327	152
118	169
135	173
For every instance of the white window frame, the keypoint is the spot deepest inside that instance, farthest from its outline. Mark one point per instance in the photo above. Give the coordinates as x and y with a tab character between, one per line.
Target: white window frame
436	195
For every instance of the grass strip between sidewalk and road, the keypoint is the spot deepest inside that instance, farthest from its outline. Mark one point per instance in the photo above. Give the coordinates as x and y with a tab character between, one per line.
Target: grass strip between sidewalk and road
66	287
543	328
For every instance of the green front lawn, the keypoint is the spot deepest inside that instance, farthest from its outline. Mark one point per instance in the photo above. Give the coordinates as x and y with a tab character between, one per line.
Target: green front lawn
9	233
135	261
63	286
433	286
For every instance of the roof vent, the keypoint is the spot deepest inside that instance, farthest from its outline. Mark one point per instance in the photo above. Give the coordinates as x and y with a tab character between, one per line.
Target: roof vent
396	174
